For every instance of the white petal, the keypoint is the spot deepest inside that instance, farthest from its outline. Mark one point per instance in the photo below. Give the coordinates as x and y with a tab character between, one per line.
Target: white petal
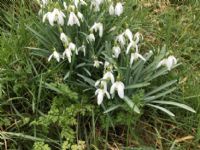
118	9
129	47
50	57
111	10
116	51
162	62
112	89
100	97
109	76
80	16
129	34
120	90
51	19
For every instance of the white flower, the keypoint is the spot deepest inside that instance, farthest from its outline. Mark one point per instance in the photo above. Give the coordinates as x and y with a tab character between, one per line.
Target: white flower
80	16
82	48
72	46
96	4
118	9
81	2
135	56
55	16
119	87
73	19
97	27
168	62
90	37
63	38
137	37
100	95
109	76
97	63
111	10
120	38
129	34
55	55
116	51
106	64
132	44
68	54
100	92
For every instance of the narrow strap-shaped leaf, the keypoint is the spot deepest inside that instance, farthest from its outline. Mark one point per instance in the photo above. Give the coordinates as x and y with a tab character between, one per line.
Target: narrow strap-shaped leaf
167	84
150	98
139	85
162	109
86	79
112	108
175	104
131	104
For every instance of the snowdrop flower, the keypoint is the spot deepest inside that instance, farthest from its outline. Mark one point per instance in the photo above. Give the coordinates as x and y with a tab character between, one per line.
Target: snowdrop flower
82	48
97	63
168	62
135	56
106	64
80	16
73	19
90	37
81	2
63	38
109	76
55	16
100	95
100	92
116	51
111	10
55	55
119	87
96	4
72	46
132	44
120	38
118	9
137	37
129	34
68	53
97	27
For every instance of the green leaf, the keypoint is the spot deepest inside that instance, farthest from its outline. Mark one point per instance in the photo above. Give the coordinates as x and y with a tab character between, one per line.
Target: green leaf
39	52
162	109
167	84
112	108
131	104
175	104
139	85
88	80
150	98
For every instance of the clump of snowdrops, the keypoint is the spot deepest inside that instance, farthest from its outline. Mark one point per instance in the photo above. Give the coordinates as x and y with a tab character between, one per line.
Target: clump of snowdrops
103	55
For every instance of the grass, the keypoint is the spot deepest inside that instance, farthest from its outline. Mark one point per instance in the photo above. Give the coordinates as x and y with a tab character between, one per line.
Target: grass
22	98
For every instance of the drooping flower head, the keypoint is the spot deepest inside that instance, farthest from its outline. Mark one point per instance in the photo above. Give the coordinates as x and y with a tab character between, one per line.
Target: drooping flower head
118	9
55	16
119	87
168	62
55	55
97	27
